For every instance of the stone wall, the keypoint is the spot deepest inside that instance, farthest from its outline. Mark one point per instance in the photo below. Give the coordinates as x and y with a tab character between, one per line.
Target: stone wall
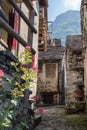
51	76
48	83
85	76
74	72
84	42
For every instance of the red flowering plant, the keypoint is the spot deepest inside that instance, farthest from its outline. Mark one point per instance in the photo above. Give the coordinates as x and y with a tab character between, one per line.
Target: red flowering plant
29	71
36	99
1	73
25	71
27	74
40	110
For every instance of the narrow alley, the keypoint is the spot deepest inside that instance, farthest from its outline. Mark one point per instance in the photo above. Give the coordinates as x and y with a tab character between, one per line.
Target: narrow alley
55	118
43	65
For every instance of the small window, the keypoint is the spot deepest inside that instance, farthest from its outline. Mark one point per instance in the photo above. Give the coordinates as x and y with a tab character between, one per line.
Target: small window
50	70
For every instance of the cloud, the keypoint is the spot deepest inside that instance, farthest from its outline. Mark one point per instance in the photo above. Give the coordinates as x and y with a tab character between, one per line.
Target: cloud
73	4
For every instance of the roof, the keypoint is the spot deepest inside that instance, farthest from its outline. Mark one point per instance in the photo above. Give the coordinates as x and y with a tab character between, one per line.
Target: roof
74	42
52	53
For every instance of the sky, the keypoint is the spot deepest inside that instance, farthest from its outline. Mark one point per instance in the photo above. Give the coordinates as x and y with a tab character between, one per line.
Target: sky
56	7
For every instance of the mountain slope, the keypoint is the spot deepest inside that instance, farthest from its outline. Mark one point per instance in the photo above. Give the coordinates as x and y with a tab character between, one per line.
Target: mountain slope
65	24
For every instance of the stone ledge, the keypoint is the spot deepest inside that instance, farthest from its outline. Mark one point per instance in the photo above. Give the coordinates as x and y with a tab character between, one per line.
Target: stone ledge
75	107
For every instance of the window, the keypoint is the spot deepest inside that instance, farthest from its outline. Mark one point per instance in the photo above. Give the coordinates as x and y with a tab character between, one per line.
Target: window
50	70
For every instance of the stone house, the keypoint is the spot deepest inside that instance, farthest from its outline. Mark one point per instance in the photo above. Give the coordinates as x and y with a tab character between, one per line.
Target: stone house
51	74
19	26
83	12
74	70
23	18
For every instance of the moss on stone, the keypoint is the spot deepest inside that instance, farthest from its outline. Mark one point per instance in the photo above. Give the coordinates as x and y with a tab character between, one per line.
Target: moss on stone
78	120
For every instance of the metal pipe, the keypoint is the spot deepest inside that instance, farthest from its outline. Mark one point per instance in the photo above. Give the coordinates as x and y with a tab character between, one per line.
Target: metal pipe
12	33
3	15
13	3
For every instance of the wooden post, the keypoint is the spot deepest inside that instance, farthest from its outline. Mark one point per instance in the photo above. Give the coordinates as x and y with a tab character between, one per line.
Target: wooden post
29	5
30	40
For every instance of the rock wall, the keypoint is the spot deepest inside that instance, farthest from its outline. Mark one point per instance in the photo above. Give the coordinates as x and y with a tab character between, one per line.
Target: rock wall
85	76
48	84
74	76
84	42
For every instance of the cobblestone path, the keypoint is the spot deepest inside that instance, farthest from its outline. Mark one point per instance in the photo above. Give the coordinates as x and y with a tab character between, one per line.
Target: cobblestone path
54	118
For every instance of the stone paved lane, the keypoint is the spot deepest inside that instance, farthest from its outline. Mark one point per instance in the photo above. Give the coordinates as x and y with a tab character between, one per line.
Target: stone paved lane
54	118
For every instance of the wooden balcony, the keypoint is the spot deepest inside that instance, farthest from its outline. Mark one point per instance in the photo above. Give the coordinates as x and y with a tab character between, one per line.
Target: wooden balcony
77	68
42	34
41	47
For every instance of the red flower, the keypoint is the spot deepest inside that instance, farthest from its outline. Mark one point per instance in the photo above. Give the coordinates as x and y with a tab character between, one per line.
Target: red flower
27	47
35	98
40	110
1	73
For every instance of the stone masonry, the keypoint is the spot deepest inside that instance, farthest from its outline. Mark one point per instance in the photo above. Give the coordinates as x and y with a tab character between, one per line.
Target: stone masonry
83	12
74	70
50	82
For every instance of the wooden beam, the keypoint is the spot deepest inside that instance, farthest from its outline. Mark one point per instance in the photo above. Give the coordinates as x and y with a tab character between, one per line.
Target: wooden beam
20	12
12	33
30	32
29	5
3	43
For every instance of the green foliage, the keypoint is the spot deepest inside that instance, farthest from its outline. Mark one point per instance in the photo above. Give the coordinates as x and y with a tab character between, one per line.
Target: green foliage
9	106
78	120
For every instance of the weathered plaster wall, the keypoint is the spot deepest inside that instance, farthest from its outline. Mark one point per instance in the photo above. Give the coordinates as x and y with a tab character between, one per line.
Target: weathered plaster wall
3	33
23	28
35	36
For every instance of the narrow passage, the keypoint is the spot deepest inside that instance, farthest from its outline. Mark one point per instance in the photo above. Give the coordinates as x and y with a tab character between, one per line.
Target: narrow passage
55	118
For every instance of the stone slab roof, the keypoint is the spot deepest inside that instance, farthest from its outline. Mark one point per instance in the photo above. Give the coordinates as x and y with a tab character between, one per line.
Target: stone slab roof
74	42
52	53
